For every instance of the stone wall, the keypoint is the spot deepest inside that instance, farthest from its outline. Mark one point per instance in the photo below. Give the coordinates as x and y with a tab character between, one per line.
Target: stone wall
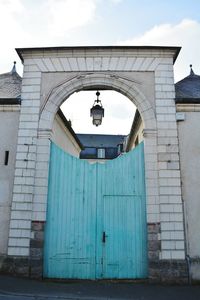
9	122
189	143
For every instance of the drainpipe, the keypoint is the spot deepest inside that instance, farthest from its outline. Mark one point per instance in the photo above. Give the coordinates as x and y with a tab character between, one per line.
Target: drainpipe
188	260
187	256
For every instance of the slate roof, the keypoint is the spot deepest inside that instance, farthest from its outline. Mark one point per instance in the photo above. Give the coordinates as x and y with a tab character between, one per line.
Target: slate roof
101	140
188	89
10	87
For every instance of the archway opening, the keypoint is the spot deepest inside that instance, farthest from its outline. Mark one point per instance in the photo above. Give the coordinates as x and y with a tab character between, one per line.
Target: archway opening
121	129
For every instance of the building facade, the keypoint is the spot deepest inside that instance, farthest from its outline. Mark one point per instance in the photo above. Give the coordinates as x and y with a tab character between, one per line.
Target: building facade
145	76
101	146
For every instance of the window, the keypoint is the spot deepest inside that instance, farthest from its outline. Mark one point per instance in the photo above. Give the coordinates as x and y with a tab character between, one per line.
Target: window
6	158
88	152
100	153
111	153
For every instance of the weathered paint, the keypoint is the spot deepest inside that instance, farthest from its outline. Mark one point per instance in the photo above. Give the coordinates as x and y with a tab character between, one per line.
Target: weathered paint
84	201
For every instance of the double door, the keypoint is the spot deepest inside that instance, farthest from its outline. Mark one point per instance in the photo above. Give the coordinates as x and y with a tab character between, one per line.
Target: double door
96	218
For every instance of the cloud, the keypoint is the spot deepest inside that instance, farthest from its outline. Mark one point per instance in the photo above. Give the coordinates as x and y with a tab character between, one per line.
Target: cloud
9	12
65	15
40	23
116	1
185	34
11	32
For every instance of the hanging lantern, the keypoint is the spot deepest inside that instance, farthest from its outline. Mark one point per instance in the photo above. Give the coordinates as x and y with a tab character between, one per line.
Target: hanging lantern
97	111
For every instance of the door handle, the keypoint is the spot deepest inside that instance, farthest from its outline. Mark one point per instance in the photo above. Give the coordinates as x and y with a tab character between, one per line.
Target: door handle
104	237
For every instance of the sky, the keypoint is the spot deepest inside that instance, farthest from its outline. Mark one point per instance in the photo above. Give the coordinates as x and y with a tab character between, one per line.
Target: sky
118	112
43	23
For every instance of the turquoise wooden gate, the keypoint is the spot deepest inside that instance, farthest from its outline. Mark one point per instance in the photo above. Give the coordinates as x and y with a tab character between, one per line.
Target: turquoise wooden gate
96	217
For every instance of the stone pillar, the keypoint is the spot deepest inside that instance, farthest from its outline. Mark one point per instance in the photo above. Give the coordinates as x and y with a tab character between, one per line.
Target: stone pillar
171	206
21	209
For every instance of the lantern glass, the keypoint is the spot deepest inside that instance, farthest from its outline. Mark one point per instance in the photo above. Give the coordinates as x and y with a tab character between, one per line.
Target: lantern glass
97	113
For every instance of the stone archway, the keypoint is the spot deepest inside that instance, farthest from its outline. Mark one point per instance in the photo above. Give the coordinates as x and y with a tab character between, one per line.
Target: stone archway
115	68
62	91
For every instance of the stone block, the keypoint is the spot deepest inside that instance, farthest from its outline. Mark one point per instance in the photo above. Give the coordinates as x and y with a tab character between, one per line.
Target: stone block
39	215
129	63
32	74
73	63
36	243
153	228
39	235
48	62
57	64
30	88
80	61
31	81
173	165
180	245
153	245
65	63
37	226
36	253
18	251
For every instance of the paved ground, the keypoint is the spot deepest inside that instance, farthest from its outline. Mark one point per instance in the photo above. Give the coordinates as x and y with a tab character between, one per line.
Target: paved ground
25	289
